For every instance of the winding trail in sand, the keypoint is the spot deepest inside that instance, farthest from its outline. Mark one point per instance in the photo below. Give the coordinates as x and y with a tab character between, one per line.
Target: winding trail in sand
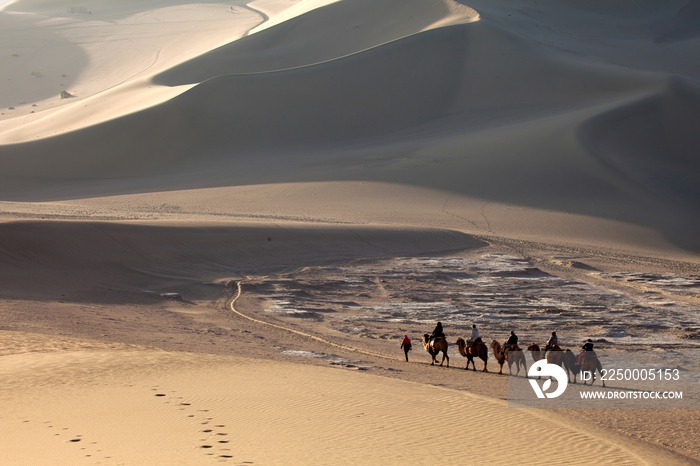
233	299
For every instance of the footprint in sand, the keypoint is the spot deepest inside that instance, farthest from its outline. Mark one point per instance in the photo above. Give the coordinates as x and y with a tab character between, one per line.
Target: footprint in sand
205	444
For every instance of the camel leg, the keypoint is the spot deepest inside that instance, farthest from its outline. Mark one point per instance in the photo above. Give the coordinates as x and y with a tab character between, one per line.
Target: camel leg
485	370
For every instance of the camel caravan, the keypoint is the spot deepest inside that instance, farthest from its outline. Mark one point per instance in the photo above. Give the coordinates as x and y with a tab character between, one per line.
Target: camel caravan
510	352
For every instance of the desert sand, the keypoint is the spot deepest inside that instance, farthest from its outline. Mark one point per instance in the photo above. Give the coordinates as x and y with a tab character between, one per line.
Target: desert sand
218	219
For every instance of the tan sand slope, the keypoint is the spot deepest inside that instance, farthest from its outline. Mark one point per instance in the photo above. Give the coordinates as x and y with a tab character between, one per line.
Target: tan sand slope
99	44
103	54
654	141
351	202
207	141
147	407
116	262
323	34
494	110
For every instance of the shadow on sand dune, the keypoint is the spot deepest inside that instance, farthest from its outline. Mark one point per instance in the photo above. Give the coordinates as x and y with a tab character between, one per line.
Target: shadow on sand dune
115	263
654	141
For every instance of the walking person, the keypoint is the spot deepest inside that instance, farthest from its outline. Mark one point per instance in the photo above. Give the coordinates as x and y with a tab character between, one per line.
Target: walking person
406	345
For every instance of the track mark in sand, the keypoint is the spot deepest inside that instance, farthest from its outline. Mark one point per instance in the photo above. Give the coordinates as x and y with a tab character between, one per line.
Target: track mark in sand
483	215
89	448
200	420
464	219
232	300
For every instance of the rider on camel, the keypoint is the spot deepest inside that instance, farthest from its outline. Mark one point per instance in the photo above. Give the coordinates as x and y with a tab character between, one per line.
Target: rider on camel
438	332
474	336
512	341
587	346
553	340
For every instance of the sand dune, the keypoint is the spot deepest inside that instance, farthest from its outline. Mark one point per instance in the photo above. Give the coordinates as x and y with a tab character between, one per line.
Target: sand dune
206	141
653	141
73	258
103	54
495	104
179	408
323	34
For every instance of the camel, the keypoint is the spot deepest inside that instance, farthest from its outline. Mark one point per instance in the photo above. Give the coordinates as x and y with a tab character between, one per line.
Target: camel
555	356
439	345
590	363
477	350
517	357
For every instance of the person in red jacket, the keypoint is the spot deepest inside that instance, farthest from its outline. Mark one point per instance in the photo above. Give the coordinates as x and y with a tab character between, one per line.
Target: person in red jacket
406	345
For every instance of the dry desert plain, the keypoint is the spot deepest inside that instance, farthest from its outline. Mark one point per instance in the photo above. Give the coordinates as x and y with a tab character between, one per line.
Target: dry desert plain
218	219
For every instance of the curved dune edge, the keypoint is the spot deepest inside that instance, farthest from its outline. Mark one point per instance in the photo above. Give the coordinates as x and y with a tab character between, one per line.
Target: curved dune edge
317	204
82	406
116	81
139	92
126	99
